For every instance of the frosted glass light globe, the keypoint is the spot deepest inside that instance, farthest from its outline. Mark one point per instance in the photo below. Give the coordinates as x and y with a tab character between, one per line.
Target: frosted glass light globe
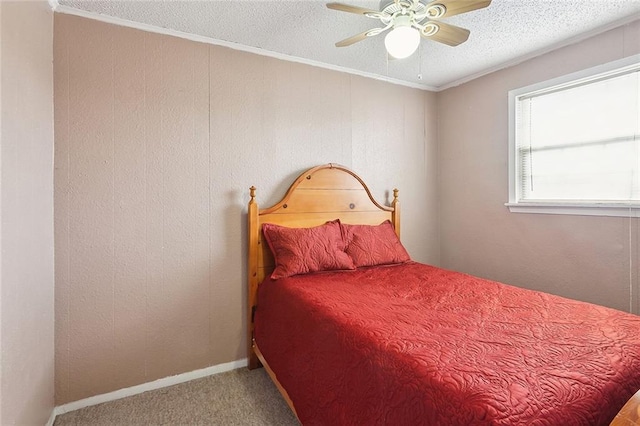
402	41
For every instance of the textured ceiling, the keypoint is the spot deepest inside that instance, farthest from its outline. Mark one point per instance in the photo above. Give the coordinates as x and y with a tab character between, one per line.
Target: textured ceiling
505	32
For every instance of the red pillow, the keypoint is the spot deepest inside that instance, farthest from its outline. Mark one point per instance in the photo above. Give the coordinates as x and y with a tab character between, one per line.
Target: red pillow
303	250
370	245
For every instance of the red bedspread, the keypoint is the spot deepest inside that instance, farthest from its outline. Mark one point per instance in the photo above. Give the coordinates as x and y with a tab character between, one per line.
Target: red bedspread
414	344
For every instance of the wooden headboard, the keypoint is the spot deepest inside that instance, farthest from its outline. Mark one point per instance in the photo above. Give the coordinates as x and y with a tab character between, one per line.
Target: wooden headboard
320	194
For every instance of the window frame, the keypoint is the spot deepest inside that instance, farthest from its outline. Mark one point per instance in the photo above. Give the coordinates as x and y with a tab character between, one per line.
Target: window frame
623	209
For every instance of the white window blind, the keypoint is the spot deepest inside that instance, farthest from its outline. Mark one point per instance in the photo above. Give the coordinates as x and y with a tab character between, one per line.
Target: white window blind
579	141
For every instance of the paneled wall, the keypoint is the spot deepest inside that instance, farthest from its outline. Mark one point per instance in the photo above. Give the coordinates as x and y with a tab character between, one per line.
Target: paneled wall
157	141
589	258
26	212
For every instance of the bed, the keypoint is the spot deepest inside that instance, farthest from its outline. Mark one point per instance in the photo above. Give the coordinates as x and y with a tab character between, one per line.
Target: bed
384	340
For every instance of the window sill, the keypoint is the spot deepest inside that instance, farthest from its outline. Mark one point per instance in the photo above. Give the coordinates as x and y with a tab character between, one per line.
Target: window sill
586	209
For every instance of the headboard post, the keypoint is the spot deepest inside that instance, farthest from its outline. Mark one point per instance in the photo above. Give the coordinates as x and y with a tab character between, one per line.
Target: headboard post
253	230
395	215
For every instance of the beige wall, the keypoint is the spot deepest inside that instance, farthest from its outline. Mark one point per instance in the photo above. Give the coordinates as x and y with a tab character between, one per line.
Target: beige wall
26	212
157	142
582	257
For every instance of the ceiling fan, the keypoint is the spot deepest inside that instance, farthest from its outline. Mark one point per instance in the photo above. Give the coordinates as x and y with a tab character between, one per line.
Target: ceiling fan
410	19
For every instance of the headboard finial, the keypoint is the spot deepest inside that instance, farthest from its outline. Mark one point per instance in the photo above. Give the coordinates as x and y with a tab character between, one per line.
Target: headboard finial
395	194
252	193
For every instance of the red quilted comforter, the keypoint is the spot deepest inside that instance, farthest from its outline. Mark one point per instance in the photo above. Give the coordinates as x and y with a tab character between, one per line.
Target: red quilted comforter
413	344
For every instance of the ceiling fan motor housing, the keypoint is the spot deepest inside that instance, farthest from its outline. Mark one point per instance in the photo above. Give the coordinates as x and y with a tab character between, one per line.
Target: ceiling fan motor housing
385	3
420	9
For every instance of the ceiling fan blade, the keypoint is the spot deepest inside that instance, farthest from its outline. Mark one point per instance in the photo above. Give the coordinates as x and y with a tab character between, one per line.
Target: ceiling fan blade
359	37
354	9
456	7
446	33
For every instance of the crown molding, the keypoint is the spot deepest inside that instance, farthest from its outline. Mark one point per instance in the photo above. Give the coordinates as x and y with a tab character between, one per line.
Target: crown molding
53	4
57	7
573	40
231	45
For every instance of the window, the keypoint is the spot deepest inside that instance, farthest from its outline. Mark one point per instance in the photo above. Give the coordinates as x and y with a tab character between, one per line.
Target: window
575	143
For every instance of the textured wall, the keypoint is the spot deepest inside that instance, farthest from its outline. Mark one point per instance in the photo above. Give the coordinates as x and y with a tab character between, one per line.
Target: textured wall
26	212
582	257
157	142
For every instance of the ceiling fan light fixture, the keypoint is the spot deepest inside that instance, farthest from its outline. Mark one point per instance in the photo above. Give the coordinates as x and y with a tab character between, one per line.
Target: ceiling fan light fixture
402	41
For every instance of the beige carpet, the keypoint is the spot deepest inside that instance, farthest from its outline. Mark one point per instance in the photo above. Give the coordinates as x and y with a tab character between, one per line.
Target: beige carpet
238	397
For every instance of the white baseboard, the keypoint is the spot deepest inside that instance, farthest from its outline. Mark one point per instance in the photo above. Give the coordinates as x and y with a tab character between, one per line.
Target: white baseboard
52	418
156	384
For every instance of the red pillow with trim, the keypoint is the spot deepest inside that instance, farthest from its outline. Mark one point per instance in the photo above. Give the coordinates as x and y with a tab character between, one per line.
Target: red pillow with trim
304	250
370	245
